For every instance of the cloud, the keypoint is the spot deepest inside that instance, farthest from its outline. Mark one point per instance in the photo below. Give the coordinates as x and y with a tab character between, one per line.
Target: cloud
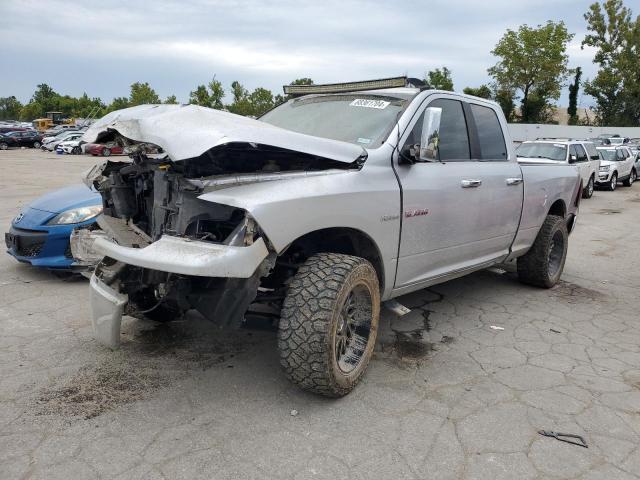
101	47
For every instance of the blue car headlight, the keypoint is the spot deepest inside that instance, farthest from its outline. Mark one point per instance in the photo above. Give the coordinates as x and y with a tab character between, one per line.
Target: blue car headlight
76	215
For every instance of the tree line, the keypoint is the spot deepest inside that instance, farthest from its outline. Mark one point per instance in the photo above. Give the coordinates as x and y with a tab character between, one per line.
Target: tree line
528	78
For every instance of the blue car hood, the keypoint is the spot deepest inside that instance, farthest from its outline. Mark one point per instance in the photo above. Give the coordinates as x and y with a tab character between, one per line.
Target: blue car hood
66	198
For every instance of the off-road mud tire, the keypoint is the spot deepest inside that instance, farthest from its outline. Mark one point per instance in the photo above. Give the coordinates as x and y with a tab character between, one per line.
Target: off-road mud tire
535	267
309	322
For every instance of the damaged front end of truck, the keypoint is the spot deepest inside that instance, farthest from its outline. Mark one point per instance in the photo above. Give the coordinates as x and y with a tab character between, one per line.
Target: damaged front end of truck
165	249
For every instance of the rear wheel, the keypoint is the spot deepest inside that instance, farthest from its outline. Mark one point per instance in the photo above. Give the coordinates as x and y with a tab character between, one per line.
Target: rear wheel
3	146
106	152
587	192
613	183
543	264
36	144
329	323
632	178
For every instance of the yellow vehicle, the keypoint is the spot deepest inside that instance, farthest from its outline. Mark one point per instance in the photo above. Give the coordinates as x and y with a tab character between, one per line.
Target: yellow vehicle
52	118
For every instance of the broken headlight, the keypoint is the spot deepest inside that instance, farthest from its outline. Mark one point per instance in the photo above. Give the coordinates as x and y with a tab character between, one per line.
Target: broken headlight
76	215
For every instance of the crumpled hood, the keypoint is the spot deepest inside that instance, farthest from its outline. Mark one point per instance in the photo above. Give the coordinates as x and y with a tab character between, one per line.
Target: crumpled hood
188	131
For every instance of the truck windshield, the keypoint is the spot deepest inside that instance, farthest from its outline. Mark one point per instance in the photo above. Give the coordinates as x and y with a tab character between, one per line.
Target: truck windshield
550	151
360	119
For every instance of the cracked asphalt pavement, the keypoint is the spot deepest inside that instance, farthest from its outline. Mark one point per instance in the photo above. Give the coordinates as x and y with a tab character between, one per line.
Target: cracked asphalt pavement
446	396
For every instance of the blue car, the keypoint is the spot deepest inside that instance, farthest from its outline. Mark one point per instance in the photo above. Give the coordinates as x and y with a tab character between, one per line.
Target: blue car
39	235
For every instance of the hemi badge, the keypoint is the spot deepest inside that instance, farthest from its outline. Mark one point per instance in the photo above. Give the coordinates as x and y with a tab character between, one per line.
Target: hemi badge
416	212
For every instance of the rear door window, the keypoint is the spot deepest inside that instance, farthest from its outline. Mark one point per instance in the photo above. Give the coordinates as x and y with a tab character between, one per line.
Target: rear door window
490	135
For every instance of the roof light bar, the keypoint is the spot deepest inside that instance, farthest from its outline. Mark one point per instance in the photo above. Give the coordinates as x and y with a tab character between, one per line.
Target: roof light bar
393	82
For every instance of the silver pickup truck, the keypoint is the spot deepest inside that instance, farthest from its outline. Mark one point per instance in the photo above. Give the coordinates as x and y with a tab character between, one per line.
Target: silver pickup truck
343	197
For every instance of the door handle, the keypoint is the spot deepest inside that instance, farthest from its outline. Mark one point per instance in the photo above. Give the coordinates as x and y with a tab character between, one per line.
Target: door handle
470	183
514	181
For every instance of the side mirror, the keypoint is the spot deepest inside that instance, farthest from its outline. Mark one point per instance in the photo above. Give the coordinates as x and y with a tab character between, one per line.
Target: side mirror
430	136
572	159
427	149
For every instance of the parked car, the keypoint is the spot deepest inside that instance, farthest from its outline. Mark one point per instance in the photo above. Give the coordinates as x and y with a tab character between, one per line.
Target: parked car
61	134
617	165
59	128
27	138
103	150
580	153
66	137
329	203
5	130
71	147
39	235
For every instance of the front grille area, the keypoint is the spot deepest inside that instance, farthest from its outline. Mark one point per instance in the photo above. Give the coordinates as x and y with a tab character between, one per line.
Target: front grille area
30	250
25	243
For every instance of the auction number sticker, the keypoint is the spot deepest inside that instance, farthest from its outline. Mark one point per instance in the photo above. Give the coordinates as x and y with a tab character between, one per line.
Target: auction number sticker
363	102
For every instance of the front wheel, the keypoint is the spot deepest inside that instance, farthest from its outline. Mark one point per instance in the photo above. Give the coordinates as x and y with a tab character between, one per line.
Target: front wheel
543	264
613	183
587	192
36	144
3	146
75	151
106	152
633	176
329	323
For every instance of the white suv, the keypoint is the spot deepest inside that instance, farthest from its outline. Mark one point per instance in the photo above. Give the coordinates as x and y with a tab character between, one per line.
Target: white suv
617	165
581	153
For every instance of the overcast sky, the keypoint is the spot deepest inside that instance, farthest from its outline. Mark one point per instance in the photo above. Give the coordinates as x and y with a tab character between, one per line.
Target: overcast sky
101	47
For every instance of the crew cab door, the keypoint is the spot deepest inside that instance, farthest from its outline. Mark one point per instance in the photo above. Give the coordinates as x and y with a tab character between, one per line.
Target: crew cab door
578	157
461	210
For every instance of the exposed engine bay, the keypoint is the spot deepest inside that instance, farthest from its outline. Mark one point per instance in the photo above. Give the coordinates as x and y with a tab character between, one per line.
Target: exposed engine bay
152	196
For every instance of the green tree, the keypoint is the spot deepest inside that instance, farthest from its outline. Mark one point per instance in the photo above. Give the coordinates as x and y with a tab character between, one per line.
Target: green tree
10	108
211	97
31	111
171	100
261	101
616	88
241	104
200	96
506	99
533	64
46	97
483	91
142	93
118	103
573	98
439	79
217	94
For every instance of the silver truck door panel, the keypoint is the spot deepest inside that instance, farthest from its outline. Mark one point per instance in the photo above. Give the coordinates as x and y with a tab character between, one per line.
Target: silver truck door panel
448	227
460	212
